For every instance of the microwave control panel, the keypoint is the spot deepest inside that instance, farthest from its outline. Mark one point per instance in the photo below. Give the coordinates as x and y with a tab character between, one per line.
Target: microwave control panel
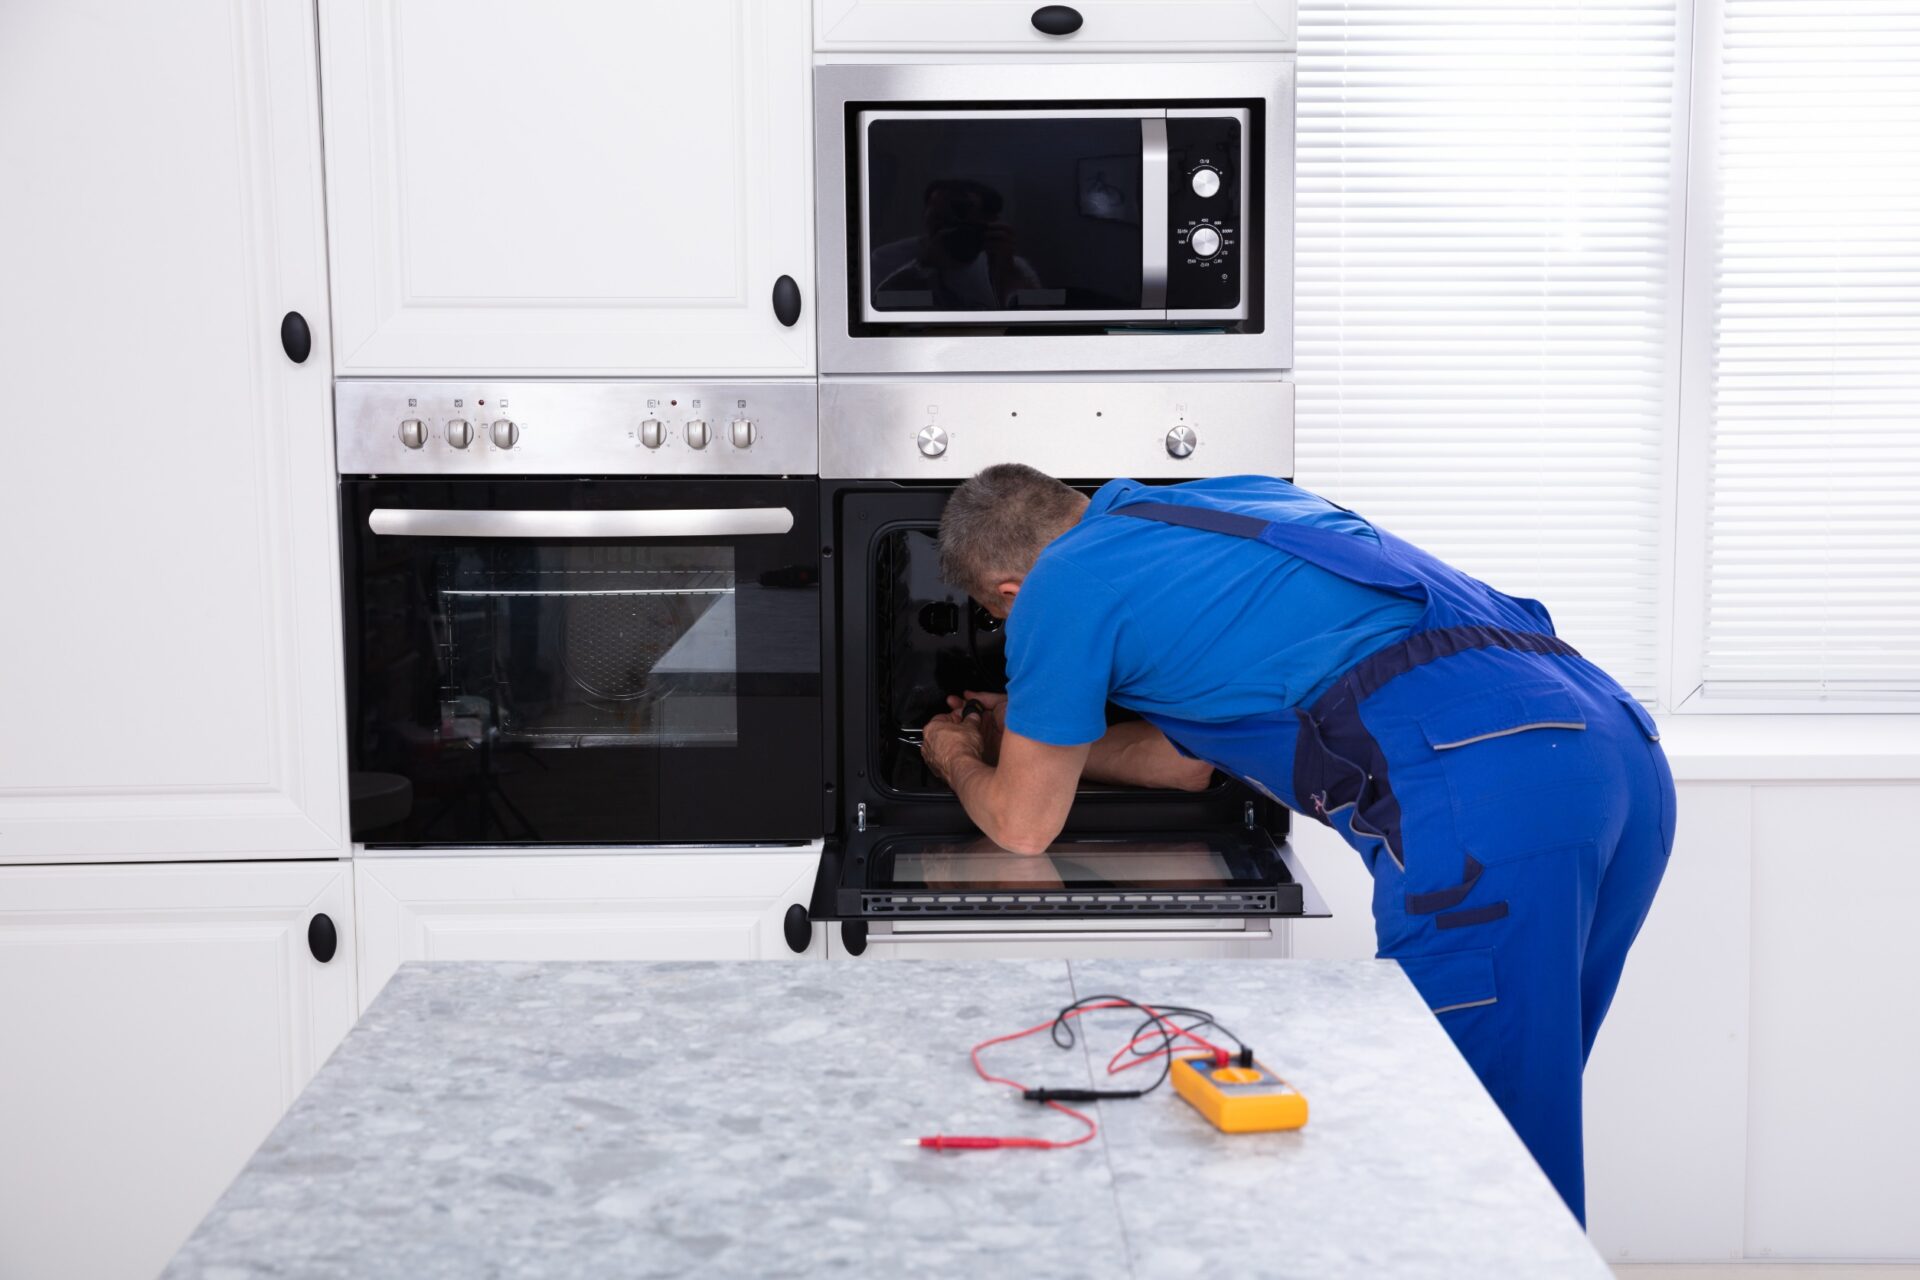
1206	212
462	427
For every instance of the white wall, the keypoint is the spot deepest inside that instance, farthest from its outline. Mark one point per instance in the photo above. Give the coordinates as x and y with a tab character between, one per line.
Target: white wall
1755	1092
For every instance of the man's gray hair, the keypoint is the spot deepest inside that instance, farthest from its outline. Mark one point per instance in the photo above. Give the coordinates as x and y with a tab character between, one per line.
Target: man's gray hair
996	524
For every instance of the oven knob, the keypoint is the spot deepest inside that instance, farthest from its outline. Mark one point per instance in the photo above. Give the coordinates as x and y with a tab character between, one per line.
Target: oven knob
506	434
1206	183
697	433
413	433
1204	241
744	433
653	433
1180	442
459	433
932	440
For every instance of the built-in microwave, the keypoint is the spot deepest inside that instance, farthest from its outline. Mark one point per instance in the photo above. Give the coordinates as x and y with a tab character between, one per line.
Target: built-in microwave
1019	217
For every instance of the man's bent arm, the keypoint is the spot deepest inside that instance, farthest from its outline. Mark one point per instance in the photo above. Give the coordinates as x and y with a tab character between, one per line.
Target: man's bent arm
1022	802
1135	753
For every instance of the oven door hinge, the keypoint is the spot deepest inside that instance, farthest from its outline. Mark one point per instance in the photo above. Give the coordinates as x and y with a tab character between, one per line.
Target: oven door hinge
1247	813
860	816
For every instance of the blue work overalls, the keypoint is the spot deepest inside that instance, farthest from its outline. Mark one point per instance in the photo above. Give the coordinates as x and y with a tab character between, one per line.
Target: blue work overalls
1510	799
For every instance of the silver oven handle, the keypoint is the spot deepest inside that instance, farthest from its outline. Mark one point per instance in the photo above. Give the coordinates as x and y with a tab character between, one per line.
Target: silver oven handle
685	522
1153	214
1076	935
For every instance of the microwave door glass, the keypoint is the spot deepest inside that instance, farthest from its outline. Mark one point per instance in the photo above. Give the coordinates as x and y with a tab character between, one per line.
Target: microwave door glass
992	214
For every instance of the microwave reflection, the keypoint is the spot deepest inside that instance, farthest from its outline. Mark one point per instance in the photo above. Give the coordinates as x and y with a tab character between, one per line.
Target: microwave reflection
964	258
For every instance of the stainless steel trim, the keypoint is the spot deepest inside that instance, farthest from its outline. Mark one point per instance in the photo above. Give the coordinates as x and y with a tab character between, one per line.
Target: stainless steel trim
1078	430
575	427
1077	935
688	522
1153	213
869	82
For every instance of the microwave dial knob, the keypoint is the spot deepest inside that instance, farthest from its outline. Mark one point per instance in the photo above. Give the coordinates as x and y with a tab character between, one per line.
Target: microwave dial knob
744	433
653	433
459	433
1206	183
1205	241
697	433
505	433
1181	441
932	440
413	433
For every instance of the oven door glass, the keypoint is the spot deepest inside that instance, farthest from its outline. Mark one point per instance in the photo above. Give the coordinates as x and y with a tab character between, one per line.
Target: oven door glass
1198	873
551	661
982	215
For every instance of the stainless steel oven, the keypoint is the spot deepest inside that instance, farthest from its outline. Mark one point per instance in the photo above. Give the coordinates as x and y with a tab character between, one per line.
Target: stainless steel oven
1103	216
902	862
581	613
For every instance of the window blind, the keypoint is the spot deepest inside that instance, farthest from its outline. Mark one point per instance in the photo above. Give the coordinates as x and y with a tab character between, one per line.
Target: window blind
1813	556
1485	195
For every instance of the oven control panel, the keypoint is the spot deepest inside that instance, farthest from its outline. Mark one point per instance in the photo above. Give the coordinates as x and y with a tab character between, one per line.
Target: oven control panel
455	427
1146	430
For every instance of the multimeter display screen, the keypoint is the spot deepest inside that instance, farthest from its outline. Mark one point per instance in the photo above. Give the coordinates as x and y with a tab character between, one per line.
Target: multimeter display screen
1075	864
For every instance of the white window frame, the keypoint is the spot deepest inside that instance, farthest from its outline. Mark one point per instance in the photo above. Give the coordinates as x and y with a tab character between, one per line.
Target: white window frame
1690	425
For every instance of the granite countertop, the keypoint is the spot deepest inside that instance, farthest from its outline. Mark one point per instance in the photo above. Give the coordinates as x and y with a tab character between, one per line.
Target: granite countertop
755	1119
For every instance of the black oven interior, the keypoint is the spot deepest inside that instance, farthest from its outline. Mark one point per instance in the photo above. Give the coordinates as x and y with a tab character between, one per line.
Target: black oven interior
571	645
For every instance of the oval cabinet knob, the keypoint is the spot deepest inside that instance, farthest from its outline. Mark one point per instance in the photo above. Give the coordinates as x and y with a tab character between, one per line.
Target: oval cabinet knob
1057	20
798	928
296	339
786	301
322	938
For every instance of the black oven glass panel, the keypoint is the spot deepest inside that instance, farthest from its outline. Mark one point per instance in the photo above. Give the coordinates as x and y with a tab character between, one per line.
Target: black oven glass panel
513	689
583	645
1216	872
1004	214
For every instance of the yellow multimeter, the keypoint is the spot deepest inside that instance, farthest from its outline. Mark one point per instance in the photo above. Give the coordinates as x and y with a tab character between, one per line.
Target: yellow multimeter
1238	1099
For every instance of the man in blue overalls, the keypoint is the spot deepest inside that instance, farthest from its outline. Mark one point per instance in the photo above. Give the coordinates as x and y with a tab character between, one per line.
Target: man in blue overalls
1510	799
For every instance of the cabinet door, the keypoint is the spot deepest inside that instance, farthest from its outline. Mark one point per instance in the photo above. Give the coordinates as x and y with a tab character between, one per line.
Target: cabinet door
157	1020
707	905
610	187
1106	26
170	660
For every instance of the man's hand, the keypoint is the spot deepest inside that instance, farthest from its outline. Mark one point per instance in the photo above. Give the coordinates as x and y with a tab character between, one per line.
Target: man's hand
952	738
993	723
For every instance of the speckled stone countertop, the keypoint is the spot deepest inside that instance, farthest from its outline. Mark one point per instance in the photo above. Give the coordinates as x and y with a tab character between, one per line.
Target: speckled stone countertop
584	1120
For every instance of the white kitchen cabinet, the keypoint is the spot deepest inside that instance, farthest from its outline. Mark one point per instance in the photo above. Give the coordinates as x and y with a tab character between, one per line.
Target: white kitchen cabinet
1108	26
170	664
714	904
155	1021
599	188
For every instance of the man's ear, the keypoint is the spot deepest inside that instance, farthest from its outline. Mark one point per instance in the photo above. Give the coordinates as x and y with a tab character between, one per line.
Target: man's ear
1007	591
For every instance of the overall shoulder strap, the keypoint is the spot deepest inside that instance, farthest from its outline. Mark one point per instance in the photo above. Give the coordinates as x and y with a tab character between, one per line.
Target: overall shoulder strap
1366	561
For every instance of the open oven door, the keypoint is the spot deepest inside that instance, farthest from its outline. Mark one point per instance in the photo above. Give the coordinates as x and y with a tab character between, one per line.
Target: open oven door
1089	885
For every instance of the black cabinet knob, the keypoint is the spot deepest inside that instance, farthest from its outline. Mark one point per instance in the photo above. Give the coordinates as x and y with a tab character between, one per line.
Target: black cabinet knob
295	338
1057	19
786	301
798	927
853	936
322	938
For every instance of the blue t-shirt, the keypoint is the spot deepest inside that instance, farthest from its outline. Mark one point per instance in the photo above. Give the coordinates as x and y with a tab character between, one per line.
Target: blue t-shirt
1188	623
